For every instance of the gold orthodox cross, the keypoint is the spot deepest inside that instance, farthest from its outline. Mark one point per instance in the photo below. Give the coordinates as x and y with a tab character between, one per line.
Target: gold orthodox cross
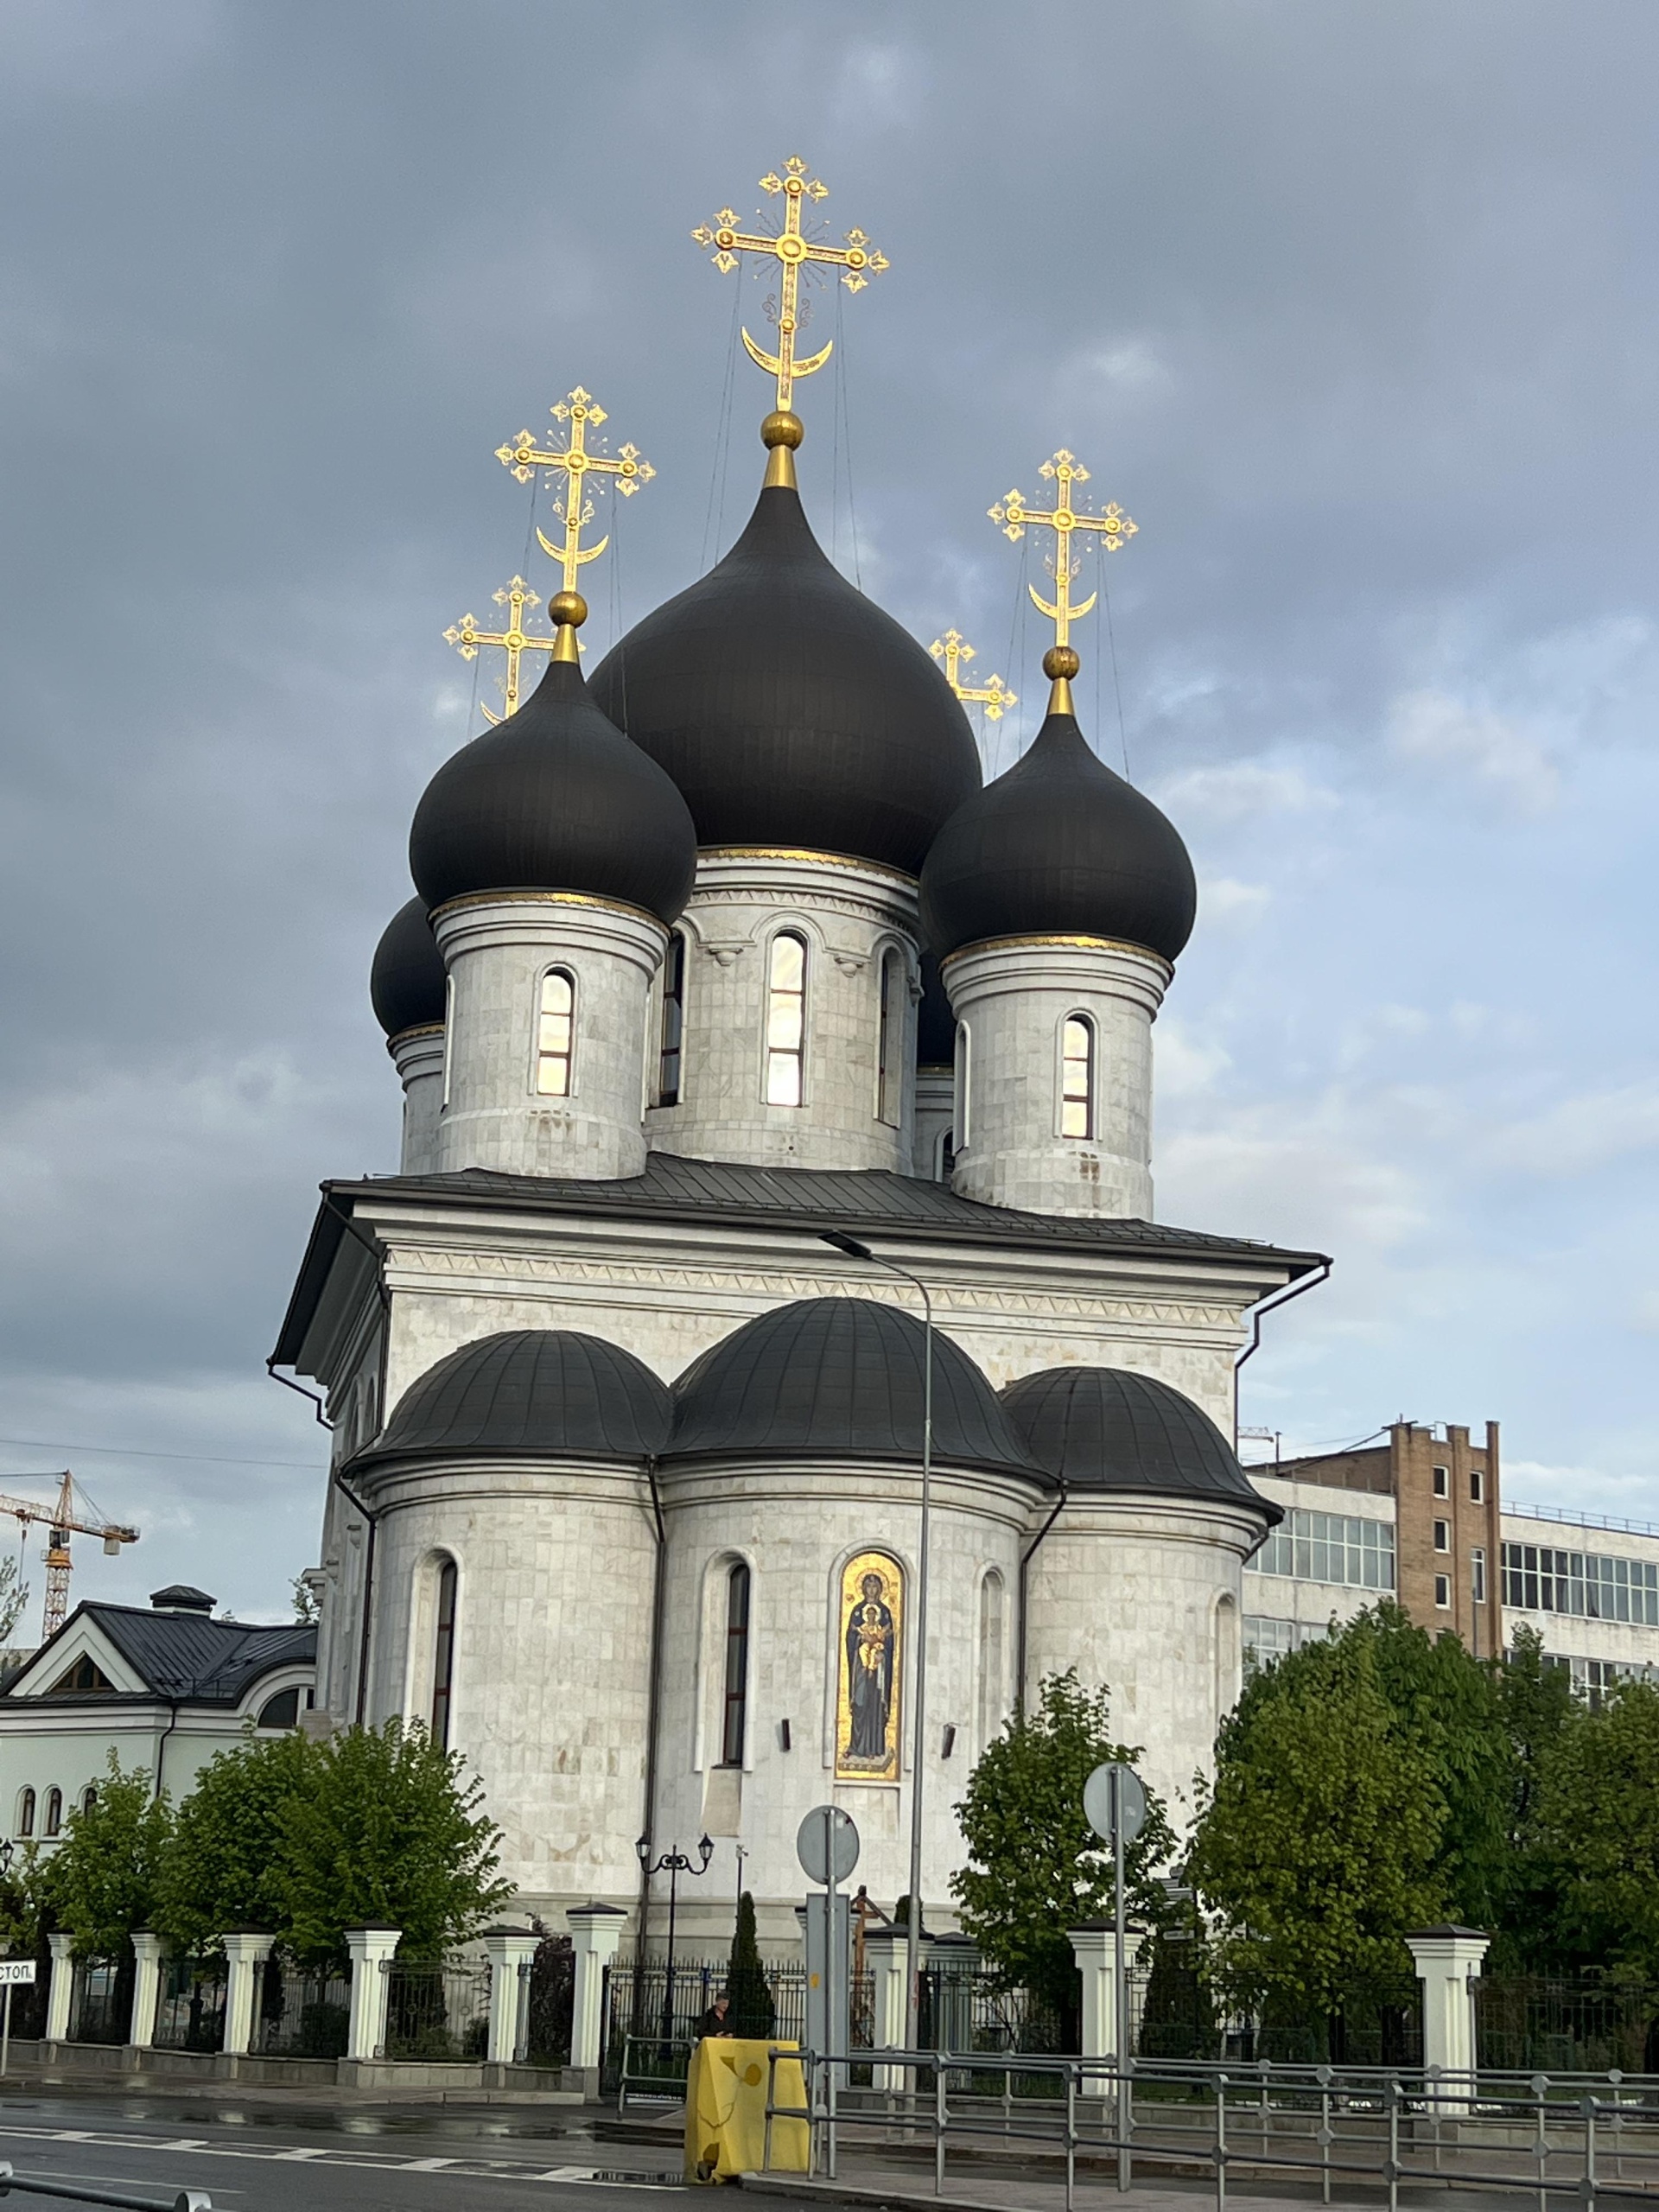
574	507
1114	528
954	650
793	252
467	637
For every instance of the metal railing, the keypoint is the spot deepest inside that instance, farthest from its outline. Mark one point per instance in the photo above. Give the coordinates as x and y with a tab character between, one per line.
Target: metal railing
1583	2137
185	2200
654	2070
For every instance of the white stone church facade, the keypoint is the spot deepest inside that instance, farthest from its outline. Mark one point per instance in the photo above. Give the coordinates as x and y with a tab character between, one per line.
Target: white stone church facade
625	1496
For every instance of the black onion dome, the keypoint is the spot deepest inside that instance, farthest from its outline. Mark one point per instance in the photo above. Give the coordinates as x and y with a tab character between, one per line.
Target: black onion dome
1108	1428
1058	845
555	799
841	1376
791	709
532	1391
406	983
936	1026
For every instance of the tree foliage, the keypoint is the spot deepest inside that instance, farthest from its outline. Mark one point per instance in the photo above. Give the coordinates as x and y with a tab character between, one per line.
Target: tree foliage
13	1596
1036	1868
104	1876
1320	1841
752	2011
1596	1829
225	1868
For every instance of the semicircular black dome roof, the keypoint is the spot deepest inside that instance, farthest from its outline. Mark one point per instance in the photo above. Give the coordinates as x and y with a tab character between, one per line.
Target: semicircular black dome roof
1058	844
841	1375
532	1391
556	798
1108	1428
791	709
406	982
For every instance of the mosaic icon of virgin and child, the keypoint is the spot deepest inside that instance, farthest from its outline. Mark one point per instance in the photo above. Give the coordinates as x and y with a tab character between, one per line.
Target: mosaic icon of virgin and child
868	1747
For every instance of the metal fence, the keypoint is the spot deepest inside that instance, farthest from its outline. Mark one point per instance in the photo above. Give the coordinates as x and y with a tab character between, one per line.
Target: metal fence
437	2012
100	2000
1533	2021
663	2020
300	2015
190	2004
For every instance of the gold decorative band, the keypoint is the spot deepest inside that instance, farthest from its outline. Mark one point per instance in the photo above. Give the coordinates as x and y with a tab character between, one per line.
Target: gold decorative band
541	899
415	1029
1079	943
805	853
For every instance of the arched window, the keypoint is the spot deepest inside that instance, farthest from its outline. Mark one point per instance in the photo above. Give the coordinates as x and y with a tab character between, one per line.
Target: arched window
54	1812
787	1020
448	1032
735	1708
668	1058
990	1656
89	1797
964	1070
443	1656
281	1711
26	1813
556	1035
890	1040
1078	1076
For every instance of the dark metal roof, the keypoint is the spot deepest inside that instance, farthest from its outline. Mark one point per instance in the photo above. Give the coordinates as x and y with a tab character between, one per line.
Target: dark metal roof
187	1656
406	983
542	1390
1108	1428
1058	844
791	709
555	799
724	1194
841	1376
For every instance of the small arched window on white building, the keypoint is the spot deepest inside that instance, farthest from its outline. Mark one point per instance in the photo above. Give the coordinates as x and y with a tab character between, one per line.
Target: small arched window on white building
1078	1076
556	1035
890	1055
991	1693
673	1032
962	1131
54	1812
26	1813
444	1655
734	1705
787	1020
89	1797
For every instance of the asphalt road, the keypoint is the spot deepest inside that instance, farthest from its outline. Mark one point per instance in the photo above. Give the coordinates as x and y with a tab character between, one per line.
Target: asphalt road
249	2159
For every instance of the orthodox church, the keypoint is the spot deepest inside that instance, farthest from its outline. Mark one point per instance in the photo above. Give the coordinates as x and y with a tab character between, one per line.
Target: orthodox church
770	1278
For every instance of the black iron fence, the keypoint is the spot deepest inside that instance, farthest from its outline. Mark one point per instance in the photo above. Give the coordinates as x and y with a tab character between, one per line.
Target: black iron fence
190	2004
300	2015
1536	2023
437	2012
100	2002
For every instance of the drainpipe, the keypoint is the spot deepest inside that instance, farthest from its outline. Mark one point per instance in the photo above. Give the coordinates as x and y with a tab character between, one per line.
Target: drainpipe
653	1700
1283	1297
1019	1676
161	1748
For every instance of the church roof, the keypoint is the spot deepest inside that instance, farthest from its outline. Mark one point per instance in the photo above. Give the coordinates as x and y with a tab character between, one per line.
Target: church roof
406	983
1109	1428
543	1391
182	1654
841	1376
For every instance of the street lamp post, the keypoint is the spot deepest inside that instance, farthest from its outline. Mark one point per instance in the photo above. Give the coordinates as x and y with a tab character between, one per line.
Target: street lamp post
851	1246
674	1863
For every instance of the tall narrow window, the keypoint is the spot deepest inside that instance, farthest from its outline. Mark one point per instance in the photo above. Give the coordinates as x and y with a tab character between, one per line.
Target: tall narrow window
557	1034
54	1812
1078	1076
890	1040
668	1058
449	1030
787	1020
990	1716
1477	1574
964	1070
443	1656
26	1813
734	1712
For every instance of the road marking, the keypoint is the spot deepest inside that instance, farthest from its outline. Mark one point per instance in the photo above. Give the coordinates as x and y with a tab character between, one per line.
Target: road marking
428	2166
387	2162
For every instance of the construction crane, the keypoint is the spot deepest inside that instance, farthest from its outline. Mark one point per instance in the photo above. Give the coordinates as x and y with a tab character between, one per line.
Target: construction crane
74	1514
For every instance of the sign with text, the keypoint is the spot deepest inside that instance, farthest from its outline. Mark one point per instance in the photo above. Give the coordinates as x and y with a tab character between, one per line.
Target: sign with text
13	1971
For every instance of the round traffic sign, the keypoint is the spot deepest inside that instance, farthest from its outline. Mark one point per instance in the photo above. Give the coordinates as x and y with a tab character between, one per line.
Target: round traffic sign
827	1844
1131	1793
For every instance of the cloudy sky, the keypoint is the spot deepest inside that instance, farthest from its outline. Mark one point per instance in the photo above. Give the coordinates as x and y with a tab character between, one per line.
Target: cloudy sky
1355	308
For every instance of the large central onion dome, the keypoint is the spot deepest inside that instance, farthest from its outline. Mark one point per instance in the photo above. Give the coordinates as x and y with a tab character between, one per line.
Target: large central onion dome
788	707
555	799
1059	846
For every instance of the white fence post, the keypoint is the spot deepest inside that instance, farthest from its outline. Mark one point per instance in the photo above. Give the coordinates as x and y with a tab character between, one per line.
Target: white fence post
246	1951
371	1950
595	1932
61	1988
887	1952
1094	1947
148	1949
1447	1960
510	1951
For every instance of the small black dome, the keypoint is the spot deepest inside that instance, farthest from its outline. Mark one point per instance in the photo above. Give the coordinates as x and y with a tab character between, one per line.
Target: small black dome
555	799
1106	1428
533	1390
841	1375
791	709
1058	844
406	983
936	1026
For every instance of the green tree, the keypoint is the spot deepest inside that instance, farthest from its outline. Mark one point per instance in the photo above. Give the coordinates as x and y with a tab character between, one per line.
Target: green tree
385	1829
14	1596
1319	1843
1036	1867
106	1875
26	1907
752	2011
1597	1820
225	1867
1538	1709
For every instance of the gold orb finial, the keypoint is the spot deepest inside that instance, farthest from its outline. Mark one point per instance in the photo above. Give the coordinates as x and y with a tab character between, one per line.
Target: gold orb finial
782	428
569	606
1059	661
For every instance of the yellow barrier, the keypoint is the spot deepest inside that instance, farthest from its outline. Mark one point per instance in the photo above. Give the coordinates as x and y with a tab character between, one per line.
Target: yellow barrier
725	2110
